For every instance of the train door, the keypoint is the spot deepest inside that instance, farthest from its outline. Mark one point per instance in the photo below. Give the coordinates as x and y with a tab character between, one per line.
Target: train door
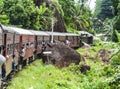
39	44
9	48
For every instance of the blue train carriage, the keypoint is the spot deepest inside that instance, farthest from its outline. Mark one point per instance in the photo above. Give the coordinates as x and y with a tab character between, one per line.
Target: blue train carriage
41	39
14	39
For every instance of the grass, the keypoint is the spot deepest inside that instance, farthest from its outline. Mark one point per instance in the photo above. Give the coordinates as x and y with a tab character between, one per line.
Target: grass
40	76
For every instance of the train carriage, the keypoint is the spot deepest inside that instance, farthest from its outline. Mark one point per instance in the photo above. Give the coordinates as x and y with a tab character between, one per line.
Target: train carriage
14	39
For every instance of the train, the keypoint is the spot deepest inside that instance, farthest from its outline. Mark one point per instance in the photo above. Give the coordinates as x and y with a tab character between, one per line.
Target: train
12	39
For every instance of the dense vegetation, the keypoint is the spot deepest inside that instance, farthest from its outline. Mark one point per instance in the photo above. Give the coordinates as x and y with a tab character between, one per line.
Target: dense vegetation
26	14
116	5
103	9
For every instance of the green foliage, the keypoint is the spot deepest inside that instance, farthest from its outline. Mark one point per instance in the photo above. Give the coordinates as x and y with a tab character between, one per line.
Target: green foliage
116	6
40	76
115	36
97	7
115	61
77	15
116	23
19	12
4	19
118	35
1	5
59	7
103	16
26	15
103	9
46	15
114	82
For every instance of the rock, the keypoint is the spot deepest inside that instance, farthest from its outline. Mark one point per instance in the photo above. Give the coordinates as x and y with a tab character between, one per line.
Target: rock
84	68
62	55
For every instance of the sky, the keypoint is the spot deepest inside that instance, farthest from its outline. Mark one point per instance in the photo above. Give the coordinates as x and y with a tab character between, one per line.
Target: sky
92	4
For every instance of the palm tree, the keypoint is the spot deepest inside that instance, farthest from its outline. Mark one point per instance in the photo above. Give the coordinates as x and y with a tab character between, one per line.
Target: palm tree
80	16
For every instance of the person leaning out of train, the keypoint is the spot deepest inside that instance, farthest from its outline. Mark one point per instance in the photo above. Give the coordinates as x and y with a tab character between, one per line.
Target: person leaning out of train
2	67
22	54
13	64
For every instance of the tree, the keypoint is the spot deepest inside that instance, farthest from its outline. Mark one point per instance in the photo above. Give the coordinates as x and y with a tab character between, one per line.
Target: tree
17	12
53	7
103	9
76	15
3	17
116	6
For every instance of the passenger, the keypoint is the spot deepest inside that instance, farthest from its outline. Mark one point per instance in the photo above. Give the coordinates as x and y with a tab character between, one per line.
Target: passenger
67	42
2	67
22	54
13	64
43	45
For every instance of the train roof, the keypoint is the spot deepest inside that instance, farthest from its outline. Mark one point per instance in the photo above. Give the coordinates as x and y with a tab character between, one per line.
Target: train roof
62	34
39	33
56	33
72	34
16	30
